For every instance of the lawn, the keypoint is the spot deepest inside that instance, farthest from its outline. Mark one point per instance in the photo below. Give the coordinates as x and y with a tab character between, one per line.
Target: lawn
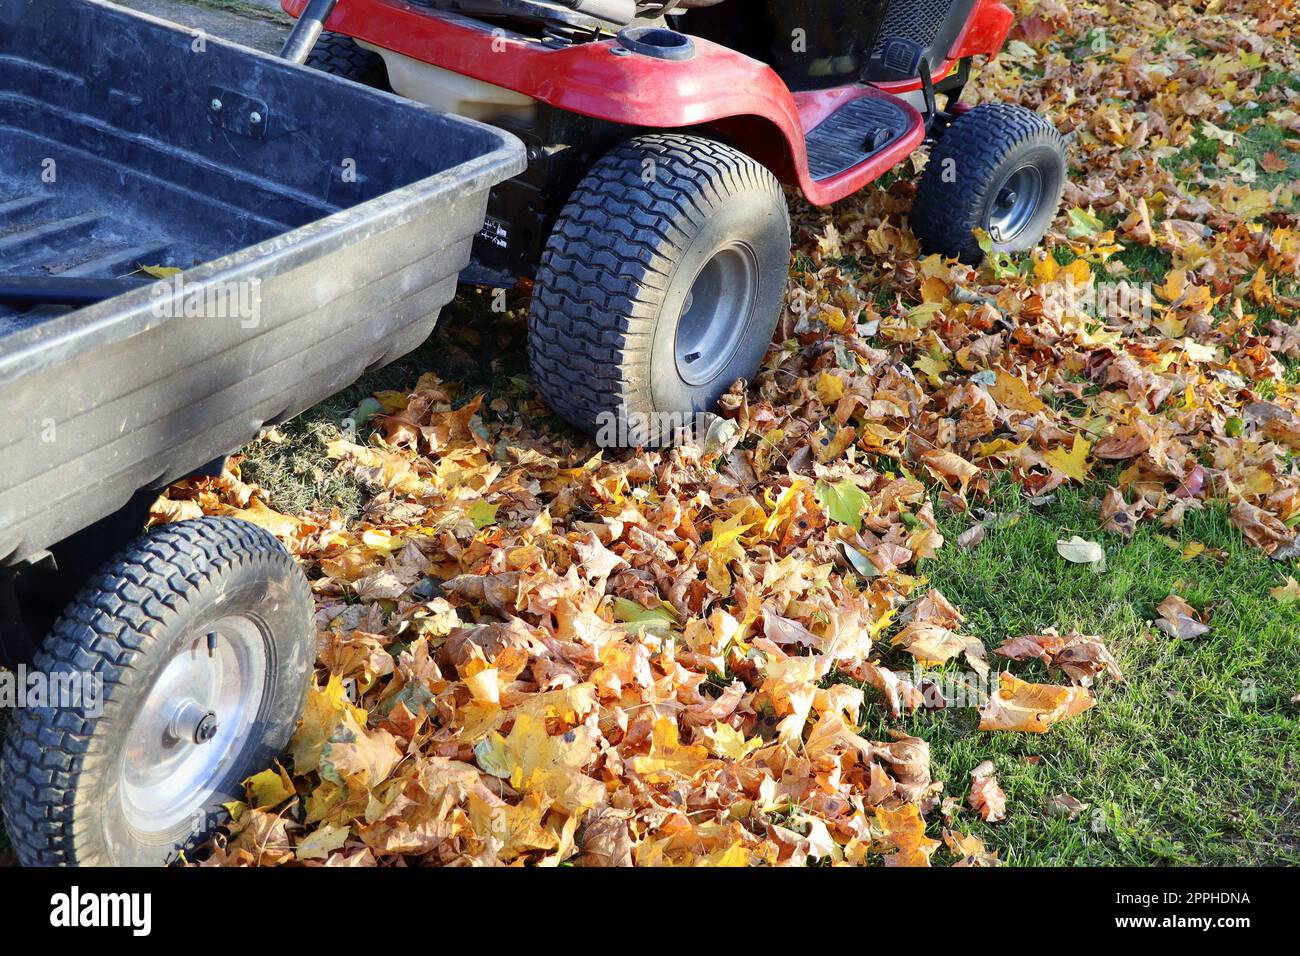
1185	152
1195	758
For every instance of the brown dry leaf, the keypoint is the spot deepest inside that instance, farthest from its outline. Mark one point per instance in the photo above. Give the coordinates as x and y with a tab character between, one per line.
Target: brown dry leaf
986	797
934	644
358	756
903	832
1031	708
971	538
970	849
1080	656
1179	619
1064	805
951	469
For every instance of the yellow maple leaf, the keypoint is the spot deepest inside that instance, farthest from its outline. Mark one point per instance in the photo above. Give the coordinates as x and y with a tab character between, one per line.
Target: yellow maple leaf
1000	447
322	713
668	756
726	741
784	506
1074	462
1010	392
932	368
270	788
730	856
830	388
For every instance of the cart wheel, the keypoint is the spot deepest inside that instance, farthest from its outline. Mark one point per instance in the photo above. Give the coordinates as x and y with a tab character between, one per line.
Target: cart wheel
660	286
202	635
1000	168
340	55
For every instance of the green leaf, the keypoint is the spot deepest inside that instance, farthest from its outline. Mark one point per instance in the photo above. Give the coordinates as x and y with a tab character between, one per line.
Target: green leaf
843	501
160	272
1084	224
368	409
482	513
640	618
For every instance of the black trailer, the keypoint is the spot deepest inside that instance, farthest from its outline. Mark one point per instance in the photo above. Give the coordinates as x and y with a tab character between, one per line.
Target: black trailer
319	227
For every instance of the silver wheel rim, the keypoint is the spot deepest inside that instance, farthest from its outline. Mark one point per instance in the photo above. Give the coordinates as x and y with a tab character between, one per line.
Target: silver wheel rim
1015	203
716	313
195	722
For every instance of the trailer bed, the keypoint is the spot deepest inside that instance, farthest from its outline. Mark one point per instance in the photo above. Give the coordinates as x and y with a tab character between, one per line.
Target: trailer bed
320	227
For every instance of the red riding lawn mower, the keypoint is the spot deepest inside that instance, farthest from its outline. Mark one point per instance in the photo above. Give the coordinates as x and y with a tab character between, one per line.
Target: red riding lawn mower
651	218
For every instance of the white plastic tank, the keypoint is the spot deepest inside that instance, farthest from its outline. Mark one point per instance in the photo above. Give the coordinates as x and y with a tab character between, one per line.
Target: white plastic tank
452	92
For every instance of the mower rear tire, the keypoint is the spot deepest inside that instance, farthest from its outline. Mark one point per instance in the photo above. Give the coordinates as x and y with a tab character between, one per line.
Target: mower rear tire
188	656
1000	168
340	55
659	287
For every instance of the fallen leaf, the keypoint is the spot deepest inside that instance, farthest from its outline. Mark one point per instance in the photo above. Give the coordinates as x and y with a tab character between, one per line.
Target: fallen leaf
270	788
1286	593
1080	551
1179	619
1073	462
1031	708
986	797
1064	805
844	502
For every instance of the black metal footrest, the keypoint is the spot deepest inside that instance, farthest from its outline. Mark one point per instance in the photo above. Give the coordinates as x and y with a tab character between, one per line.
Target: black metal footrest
854	133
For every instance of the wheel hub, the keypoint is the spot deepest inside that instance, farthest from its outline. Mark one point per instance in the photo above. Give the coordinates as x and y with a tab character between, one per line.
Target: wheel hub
193	725
1015	204
715	313
193	722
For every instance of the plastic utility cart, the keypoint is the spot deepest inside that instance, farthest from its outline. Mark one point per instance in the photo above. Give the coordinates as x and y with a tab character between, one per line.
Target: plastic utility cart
320	227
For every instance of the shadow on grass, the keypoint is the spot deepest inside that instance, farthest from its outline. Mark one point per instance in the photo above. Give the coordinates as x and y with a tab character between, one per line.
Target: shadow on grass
481	349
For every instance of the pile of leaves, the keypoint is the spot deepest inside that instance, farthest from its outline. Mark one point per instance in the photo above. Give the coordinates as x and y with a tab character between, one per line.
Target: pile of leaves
535	652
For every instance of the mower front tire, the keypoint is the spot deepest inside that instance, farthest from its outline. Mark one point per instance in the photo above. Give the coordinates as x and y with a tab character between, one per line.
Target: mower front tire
1000	168
659	287
340	55
188	656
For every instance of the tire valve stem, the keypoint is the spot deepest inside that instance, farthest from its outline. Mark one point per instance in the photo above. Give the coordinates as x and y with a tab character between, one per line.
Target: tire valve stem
212	644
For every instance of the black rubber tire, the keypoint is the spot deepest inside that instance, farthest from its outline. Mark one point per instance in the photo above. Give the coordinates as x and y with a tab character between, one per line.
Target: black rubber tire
972	158
617	268
61	765
340	55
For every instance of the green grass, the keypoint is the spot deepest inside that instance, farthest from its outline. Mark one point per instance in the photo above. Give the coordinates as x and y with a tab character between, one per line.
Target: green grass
1194	759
